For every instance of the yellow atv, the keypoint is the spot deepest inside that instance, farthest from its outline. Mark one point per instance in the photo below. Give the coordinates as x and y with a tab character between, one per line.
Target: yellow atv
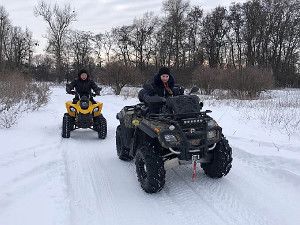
84	114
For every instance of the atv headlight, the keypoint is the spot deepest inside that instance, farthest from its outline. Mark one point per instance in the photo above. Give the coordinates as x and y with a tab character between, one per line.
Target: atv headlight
170	138
212	123
72	109
211	134
84	105
96	109
172	127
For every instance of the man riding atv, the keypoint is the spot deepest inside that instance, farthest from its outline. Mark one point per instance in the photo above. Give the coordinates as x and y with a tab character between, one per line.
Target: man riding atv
168	129
162	86
84	112
83	86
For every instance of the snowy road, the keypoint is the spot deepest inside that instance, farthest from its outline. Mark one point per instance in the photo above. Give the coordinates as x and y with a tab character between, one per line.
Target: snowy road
80	181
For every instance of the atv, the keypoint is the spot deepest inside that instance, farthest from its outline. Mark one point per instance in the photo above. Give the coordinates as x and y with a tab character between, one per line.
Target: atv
84	114
180	133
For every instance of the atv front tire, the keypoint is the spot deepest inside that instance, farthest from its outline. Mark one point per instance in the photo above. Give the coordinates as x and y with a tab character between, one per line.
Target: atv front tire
122	151
150	169
221	162
67	125
100	126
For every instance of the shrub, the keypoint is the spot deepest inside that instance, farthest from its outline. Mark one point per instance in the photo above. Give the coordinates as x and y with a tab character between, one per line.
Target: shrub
19	95
117	75
245	83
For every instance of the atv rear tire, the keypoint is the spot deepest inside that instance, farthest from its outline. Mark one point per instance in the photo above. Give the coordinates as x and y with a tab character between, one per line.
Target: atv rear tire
67	125
221	162
100	126
122	151
150	169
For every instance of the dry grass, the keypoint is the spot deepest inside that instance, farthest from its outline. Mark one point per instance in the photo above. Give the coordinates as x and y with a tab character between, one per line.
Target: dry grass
247	83
19	95
276	109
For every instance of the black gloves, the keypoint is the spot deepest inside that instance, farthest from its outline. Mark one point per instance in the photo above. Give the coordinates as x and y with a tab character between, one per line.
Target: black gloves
178	90
154	99
97	92
71	92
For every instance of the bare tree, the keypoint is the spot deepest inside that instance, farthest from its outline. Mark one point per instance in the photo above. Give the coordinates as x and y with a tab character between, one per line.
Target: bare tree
122	38
255	21
18	47
117	75
281	42
142	31
107	44
194	24
214	31
80	43
58	20
176	23
43	67
98	46
4	28
163	45
236	23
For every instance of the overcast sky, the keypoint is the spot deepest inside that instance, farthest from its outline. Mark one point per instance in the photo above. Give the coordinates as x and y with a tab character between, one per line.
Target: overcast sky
92	15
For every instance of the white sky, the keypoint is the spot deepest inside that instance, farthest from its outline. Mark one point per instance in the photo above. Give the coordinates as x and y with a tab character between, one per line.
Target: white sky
92	15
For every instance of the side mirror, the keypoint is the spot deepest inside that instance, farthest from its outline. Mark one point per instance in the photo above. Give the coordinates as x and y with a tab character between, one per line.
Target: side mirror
201	104
194	90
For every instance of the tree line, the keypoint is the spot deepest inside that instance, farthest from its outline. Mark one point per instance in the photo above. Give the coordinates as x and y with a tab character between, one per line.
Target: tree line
262	34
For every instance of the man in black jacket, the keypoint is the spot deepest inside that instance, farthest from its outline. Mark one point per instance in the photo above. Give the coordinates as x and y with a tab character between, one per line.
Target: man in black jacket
161	87
83	86
163	83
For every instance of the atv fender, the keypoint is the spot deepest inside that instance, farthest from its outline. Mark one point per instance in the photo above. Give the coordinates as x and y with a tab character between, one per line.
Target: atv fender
140	136
147	130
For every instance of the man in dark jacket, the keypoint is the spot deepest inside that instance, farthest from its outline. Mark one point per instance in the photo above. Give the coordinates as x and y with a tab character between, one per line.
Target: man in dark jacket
163	83
83	86
161	87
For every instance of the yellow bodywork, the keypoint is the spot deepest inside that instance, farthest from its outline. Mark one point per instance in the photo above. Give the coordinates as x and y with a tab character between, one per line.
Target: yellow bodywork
89	110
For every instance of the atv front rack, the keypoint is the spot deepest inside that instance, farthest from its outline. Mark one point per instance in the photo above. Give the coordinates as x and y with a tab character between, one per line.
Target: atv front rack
178	116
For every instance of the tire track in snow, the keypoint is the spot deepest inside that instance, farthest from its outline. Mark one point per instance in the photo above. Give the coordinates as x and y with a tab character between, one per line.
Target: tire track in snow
80	192
31	179
90	189
264	144
27	182
268	162
105	190
221	197
191	207
25	153
278	184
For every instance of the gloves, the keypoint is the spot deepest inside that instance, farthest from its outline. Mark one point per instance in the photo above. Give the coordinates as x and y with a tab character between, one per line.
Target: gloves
154	99
71	92
178	90
162	99
97	92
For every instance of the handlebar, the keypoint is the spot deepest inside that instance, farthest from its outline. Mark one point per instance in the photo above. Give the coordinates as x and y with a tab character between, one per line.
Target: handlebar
76	93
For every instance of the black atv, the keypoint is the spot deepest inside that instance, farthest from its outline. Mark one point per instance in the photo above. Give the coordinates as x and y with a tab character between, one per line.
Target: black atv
178	133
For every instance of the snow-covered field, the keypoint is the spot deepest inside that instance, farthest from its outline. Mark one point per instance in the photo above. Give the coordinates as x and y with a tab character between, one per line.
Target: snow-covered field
47	180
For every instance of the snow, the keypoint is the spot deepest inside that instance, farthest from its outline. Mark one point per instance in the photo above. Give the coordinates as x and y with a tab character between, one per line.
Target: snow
45	179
